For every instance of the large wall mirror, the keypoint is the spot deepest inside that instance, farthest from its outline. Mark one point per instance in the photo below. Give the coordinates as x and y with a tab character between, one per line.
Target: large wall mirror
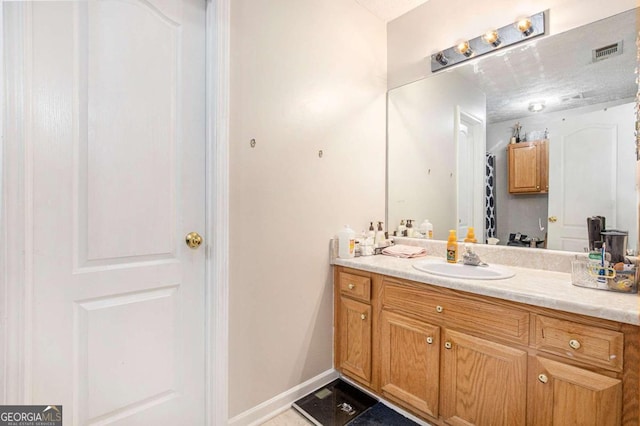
448	137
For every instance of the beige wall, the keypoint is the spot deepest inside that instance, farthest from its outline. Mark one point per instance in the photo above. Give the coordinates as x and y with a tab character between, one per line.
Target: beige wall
438	24
305	76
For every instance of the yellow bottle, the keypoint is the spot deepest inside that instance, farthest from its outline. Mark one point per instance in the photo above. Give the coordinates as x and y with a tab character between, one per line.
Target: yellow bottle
471	236
452	247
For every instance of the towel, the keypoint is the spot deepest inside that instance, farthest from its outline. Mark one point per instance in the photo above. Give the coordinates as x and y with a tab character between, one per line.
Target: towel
400	250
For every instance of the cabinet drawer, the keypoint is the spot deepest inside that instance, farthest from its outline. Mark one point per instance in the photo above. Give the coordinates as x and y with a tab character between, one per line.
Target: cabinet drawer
594	345
470	313
355	286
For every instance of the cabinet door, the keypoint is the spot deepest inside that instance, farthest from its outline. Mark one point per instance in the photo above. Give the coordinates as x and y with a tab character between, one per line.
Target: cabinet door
483	382
410	358
355	338
524	167
543	148
562	394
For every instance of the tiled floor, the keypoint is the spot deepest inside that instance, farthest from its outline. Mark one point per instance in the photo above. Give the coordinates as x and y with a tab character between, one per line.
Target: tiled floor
288	418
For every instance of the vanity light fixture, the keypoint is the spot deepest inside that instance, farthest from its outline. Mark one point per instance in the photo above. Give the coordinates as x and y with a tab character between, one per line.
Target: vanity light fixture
463	48
495	39
492	38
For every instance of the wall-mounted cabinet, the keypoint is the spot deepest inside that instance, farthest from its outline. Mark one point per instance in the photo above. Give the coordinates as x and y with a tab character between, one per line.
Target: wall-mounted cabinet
528	165
463	359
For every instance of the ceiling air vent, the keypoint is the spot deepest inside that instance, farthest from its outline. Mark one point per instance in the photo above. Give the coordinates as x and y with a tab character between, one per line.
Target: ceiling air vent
606	51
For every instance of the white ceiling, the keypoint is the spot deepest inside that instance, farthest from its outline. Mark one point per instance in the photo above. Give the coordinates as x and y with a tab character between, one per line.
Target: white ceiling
388	10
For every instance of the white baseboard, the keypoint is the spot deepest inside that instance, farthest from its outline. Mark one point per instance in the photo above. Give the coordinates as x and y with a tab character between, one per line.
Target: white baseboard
279	403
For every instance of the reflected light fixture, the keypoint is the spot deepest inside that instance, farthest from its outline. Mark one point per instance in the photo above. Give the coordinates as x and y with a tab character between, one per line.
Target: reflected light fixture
463	48
491	38
495	39
525	26
536	106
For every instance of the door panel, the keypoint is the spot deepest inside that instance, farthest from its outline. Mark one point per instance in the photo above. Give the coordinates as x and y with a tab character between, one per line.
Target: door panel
483	382
562	394
114	149
410	362
136	102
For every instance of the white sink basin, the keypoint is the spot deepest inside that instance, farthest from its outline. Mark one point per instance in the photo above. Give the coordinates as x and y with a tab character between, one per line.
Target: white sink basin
459	270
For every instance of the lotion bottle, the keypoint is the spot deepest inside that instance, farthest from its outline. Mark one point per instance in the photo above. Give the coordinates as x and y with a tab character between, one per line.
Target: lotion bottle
452	247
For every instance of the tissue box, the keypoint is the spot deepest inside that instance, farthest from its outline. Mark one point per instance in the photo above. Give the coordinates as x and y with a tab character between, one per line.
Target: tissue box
586	274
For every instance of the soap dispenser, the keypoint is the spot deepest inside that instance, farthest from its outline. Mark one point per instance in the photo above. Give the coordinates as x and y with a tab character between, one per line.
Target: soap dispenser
401	229
379	235
372	231
471	236
409	227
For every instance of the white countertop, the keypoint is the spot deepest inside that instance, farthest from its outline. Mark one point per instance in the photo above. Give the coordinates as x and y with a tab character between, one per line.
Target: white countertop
531	286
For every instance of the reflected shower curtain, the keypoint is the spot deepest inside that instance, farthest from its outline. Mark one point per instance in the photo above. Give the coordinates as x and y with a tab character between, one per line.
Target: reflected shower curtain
490	199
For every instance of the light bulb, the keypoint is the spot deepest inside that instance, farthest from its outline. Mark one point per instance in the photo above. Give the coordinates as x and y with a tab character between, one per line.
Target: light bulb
464	49
491	37
525	26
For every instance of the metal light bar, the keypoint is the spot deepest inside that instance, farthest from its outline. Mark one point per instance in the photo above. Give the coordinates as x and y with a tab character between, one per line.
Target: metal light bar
506	36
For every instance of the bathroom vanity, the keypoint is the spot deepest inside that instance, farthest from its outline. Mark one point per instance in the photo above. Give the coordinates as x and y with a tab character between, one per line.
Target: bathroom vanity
528	350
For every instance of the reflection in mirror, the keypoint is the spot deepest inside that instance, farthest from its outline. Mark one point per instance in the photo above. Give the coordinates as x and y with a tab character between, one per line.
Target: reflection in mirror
441	127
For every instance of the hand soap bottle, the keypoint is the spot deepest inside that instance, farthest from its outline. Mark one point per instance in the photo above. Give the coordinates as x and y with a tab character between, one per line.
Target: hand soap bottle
401	229
452	247
380	237
471	236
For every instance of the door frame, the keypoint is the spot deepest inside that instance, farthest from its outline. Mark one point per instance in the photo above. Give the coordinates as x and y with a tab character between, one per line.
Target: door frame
15	230
476	127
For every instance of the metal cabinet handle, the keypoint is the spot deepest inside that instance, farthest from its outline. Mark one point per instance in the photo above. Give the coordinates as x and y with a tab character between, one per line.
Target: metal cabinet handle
447	345
363	317
439	309
351	286
543	378
575	344
429	340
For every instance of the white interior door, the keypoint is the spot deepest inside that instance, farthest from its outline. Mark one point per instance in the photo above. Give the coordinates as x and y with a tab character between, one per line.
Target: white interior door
590	167
470	150
112	117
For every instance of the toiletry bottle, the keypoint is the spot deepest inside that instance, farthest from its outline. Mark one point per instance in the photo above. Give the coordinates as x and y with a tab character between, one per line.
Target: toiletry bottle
452	247
471	236
372	231
409	227
429	230
379	235
401	229
346	243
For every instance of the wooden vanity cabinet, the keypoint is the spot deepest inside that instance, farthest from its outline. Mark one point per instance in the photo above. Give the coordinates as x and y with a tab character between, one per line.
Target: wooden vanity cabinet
353	326
461	359
528	167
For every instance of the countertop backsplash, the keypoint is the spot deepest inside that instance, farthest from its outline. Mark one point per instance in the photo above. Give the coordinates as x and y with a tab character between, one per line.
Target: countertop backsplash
547	260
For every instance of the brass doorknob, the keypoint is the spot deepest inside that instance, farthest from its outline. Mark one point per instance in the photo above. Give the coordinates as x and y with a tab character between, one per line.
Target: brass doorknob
193	240
553	219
